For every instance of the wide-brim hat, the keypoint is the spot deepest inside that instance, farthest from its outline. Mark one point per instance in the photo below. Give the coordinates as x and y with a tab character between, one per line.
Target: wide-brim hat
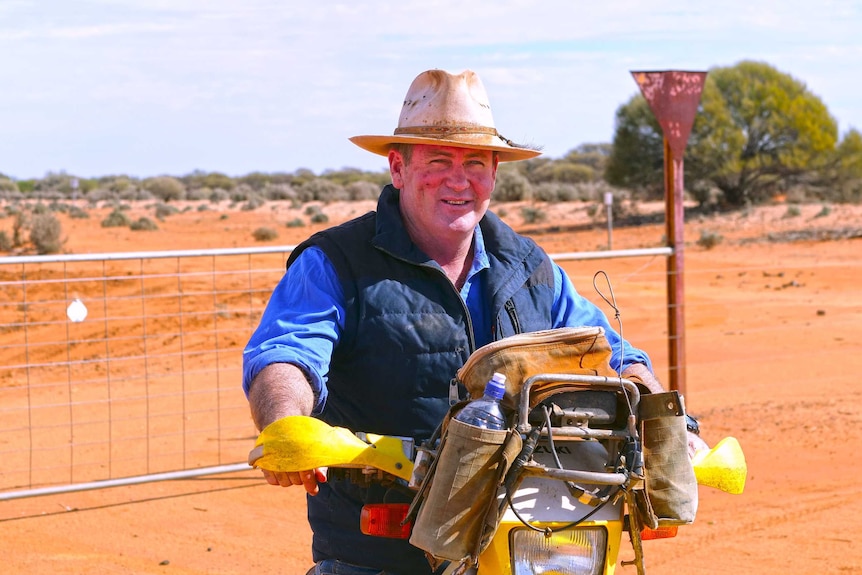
445	109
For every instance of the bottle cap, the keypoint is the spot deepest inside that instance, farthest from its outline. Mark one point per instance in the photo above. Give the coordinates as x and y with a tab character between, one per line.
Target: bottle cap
496	387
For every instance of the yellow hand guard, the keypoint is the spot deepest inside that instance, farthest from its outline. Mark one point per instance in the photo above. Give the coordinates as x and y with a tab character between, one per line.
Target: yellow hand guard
299	443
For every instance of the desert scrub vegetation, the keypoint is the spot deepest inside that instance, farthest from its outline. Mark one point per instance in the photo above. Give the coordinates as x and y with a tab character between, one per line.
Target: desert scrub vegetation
709	239
46	233
817	165
793	211
264	234
163	210
116	219
533	215
143	224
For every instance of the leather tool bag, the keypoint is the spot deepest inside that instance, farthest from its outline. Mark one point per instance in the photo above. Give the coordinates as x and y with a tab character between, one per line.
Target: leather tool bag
570	350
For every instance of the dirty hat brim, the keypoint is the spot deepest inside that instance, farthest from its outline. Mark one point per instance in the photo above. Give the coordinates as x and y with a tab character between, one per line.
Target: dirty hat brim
443	109
506	153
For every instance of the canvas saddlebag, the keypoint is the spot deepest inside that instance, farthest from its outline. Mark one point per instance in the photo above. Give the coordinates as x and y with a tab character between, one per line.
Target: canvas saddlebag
457	507
670	486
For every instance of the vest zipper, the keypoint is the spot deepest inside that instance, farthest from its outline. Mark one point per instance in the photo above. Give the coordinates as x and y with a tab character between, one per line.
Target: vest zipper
509	306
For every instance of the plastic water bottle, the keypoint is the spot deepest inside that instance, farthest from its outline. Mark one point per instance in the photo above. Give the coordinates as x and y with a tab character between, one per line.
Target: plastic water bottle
486	412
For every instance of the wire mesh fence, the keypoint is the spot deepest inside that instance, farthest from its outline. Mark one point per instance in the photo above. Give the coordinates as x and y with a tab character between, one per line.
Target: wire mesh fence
128	365
120	365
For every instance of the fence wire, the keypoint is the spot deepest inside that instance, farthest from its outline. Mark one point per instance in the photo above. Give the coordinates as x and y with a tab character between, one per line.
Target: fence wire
119	368
119	365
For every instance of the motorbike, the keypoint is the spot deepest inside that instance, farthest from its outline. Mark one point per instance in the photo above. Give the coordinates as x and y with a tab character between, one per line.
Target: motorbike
572	492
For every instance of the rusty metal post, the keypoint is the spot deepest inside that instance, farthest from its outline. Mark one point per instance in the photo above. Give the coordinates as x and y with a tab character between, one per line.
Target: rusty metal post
674	96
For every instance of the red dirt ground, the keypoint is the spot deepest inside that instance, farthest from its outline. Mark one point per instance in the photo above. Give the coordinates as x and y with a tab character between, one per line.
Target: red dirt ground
773	357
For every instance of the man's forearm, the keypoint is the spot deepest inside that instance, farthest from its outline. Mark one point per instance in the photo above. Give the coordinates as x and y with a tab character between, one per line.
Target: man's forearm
279	390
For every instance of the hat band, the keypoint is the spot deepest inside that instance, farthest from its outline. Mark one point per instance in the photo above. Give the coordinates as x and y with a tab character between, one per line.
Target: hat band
445	130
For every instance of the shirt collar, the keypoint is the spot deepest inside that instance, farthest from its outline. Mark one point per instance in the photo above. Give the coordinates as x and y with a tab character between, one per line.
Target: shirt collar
480	261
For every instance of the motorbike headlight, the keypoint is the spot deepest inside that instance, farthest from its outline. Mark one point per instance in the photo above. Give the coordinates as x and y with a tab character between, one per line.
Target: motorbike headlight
571	552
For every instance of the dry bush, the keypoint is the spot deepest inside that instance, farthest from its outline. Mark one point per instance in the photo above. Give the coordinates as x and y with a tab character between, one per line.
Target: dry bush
709	239
116	219
143	224
45	233
264	234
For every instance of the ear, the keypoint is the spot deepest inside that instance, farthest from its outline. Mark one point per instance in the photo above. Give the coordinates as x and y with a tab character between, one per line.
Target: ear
396	168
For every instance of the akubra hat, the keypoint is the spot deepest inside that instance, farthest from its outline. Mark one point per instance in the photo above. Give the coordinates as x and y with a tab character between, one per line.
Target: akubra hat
445	109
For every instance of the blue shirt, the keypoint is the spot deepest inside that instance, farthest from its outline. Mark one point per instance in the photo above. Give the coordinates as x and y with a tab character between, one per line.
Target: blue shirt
305	316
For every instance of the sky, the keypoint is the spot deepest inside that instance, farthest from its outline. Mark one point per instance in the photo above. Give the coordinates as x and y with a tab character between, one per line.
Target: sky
164	87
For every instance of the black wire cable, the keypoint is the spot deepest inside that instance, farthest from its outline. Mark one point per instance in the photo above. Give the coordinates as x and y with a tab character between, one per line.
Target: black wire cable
549	530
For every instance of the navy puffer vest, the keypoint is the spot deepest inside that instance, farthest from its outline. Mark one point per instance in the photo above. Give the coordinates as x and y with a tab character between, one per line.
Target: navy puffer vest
407	331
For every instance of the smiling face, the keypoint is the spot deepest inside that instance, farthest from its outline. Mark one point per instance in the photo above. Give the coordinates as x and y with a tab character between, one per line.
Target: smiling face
445	191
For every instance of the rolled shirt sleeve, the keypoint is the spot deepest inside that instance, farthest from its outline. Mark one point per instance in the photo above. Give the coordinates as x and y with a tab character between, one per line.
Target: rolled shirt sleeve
301	324
573	310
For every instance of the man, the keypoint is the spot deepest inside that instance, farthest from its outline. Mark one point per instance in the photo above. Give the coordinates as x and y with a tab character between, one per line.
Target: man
374	317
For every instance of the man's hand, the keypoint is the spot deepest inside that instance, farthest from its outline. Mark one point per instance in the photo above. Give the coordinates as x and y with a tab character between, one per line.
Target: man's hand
308	479
695	444
279	390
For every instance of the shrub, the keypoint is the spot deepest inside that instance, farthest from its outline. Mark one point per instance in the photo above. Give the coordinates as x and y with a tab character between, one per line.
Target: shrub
253	203
116	219
279	192
322	190
22	221
198	194
101	195
793	211
264	234
362	190
7	185
824	211
143	224
218	195
295	223
512	186
217	180
45	232
164	210
709	239
78	213
319	218
5	242
59	207
532	215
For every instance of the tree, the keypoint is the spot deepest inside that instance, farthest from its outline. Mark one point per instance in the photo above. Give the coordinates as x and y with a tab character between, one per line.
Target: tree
757	131
845	176
636	161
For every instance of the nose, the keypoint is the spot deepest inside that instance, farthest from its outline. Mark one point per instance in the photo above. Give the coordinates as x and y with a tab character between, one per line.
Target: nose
457	180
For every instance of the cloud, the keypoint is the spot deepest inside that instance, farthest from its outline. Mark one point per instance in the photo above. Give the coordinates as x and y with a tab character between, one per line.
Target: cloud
242	83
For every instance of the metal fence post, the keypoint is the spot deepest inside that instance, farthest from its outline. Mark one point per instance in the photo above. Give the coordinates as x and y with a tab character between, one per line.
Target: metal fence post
674	96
